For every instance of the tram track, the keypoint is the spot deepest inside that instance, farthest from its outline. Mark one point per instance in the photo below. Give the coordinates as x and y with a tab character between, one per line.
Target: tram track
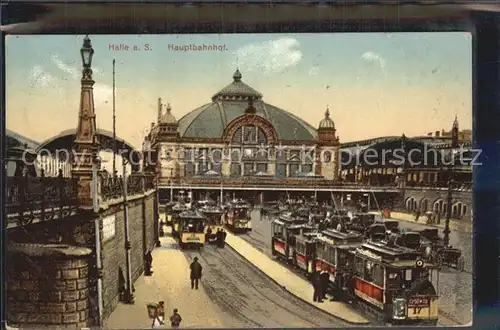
251	296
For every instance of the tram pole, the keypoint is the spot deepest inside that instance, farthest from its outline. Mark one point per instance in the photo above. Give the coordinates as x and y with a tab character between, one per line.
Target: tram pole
449	201
114	123
128	296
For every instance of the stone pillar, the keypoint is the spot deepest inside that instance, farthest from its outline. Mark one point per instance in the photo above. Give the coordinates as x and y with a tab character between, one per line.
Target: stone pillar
48	286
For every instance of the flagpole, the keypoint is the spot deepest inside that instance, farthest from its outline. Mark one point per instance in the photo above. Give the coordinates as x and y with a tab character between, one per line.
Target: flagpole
114	123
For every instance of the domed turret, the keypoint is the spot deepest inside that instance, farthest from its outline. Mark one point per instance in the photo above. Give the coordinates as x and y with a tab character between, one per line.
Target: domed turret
168	117
237	76
327	122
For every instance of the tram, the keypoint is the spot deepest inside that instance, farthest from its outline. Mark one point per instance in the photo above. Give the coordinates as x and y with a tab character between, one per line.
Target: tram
305	252
177	209
238	216
395	283
283	231
332	250
191	229
166	213
214	215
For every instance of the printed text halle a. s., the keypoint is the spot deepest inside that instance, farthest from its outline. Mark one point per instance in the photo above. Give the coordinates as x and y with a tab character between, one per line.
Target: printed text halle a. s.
129	48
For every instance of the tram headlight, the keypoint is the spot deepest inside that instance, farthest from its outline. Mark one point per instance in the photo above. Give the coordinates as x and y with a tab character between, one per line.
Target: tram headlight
399	308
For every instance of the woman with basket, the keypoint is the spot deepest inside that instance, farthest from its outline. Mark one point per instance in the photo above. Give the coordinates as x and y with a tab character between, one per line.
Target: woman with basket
157	312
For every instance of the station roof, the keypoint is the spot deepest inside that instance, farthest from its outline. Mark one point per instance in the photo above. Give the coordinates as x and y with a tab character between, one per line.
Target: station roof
65	140
211	119
17	140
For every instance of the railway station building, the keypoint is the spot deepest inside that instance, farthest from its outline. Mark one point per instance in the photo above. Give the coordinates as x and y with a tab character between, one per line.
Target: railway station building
239	140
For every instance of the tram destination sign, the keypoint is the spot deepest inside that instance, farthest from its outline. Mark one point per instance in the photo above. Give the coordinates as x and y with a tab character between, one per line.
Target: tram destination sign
418	302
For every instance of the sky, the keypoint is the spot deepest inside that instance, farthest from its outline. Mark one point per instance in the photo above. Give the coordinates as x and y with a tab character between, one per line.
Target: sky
375	84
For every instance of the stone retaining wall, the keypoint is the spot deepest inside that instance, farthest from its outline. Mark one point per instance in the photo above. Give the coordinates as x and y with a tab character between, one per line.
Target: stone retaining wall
142	235
48	286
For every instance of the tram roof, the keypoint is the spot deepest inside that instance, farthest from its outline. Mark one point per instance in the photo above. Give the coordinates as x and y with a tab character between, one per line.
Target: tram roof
213	209
340	235
288	217
239	204
192	215
381	251
288	225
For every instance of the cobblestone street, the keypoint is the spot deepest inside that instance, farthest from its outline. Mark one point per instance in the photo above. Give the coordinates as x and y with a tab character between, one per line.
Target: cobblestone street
170	283
233	293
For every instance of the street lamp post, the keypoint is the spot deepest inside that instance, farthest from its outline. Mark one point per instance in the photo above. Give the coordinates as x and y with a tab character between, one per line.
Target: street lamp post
86	145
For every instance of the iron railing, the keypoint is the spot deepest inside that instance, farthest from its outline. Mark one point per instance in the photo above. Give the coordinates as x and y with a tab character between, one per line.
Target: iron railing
113	187
268	182
43	198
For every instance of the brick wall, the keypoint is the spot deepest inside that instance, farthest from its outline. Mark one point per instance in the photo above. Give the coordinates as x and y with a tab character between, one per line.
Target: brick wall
45	289
142	238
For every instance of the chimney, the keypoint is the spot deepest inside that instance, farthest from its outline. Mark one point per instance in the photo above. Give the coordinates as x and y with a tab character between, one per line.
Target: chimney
437	134
429	134
159	109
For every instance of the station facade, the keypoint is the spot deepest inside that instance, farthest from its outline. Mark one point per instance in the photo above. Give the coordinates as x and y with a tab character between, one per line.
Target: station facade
237	137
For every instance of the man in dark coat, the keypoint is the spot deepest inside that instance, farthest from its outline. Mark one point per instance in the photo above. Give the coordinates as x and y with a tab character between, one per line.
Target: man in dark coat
148	260
218	236
223	236
324	281
196	272
317	287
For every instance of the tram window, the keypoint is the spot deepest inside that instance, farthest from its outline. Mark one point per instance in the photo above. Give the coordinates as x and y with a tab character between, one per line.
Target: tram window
378	275
359	266
298	247
278	230
319	249
420	273
342	258
408	275
368	270
331	254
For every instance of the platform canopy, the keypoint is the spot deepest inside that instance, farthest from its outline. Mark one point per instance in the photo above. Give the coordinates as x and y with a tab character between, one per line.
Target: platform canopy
395	153
64	141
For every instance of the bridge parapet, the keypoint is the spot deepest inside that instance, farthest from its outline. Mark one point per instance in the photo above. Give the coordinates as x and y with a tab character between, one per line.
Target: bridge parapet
113	187
32	200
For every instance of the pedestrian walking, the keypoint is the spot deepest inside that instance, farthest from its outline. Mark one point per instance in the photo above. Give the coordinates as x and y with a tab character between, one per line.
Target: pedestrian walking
159	314
196	272
317	287
175	319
